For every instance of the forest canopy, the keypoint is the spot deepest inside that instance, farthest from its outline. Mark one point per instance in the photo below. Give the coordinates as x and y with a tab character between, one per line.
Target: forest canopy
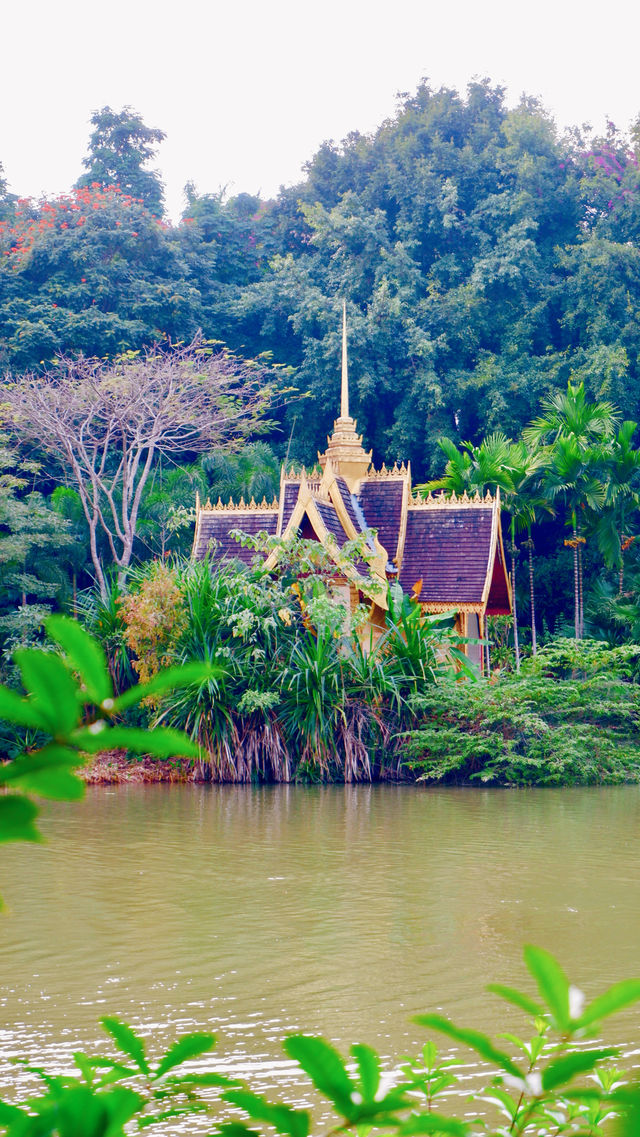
486	259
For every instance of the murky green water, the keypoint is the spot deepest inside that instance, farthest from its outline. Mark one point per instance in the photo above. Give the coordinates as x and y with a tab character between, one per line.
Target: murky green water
255	912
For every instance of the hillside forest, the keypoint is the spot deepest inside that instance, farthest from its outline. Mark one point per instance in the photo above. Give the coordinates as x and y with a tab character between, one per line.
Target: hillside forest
491	270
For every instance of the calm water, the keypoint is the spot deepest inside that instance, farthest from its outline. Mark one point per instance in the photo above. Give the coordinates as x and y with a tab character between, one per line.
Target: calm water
255	912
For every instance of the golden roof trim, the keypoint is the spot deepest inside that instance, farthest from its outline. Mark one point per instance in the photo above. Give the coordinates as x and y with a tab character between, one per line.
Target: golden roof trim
396	472
242	506
452	500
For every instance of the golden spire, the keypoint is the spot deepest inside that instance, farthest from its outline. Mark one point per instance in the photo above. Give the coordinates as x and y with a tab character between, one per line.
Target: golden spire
344	448
344	399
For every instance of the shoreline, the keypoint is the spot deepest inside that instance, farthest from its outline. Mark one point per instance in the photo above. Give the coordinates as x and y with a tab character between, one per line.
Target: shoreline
114	768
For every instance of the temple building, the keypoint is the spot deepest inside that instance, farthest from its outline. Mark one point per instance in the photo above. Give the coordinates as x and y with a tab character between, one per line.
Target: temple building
445	549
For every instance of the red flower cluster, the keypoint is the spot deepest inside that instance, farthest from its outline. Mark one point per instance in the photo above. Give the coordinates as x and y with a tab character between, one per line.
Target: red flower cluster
64	213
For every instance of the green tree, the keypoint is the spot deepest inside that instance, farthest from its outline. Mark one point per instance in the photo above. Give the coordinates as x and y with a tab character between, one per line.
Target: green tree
620	472
33	538
120	147
575	431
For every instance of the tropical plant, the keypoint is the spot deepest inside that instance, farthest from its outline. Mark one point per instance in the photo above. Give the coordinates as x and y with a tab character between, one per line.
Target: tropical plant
576	431
620	473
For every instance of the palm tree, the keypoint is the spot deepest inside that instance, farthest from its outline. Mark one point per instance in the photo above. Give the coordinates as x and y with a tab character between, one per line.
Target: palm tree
510	466
524	501
252	471
574	430
620	470
573	475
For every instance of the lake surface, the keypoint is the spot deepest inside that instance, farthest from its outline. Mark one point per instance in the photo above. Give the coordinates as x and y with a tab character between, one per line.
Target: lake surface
342	911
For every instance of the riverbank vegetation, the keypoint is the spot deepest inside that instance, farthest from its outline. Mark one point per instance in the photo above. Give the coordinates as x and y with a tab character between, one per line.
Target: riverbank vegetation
294	693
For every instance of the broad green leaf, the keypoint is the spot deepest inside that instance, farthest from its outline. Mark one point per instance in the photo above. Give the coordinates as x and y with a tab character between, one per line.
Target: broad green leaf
45	677
627	1099
235	1129
518	998
189	1046
22	712
48	773
552	983
170	680
562	1070
17	816
284	1119
613	999
504	1099
206	1079
159	743
79	1112
478	1042
369	1069
325	1067
122	1104
11	1113
127	1040
432	1123
84	654
102	1063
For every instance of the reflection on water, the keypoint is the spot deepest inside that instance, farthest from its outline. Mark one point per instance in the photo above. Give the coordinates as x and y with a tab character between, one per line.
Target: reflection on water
343	911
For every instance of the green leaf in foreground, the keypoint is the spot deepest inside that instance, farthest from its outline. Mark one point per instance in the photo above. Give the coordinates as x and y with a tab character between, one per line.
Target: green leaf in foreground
127	1040
162	742
285	1119
614	999
368	1068
22	712
562	1070
324	1066
84	655
431	1123
552	982
17	816
472	1038
45	677
187	1047
47	772
518	998
172	679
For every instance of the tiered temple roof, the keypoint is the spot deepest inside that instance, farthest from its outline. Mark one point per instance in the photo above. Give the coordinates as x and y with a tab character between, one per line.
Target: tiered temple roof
447	548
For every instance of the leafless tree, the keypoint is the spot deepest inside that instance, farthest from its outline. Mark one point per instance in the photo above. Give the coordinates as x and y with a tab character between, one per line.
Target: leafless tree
107	423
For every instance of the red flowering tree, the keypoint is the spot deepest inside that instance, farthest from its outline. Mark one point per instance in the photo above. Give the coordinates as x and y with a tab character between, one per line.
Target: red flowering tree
93	271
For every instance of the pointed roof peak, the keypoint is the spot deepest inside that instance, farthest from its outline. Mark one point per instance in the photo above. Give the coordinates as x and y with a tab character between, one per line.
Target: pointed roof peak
344	447
344	387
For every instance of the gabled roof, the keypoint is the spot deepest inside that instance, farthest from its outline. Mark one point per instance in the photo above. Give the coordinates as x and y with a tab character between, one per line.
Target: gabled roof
454	547
215	523
451	546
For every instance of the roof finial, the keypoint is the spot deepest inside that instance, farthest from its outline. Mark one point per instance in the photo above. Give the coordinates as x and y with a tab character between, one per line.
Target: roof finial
344	400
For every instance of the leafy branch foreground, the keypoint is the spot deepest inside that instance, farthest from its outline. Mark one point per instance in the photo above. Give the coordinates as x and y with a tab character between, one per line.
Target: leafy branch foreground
539	1091
71	710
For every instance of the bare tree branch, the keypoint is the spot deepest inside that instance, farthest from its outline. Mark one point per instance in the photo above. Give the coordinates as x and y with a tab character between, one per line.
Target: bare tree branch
107	423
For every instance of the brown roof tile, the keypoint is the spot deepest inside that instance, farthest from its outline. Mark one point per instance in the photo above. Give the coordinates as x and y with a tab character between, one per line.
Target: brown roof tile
345	494
331	520
291	491
214	534
448	549
381	503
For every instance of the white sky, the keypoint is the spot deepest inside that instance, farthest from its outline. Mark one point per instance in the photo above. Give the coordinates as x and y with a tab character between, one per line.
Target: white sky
247	91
